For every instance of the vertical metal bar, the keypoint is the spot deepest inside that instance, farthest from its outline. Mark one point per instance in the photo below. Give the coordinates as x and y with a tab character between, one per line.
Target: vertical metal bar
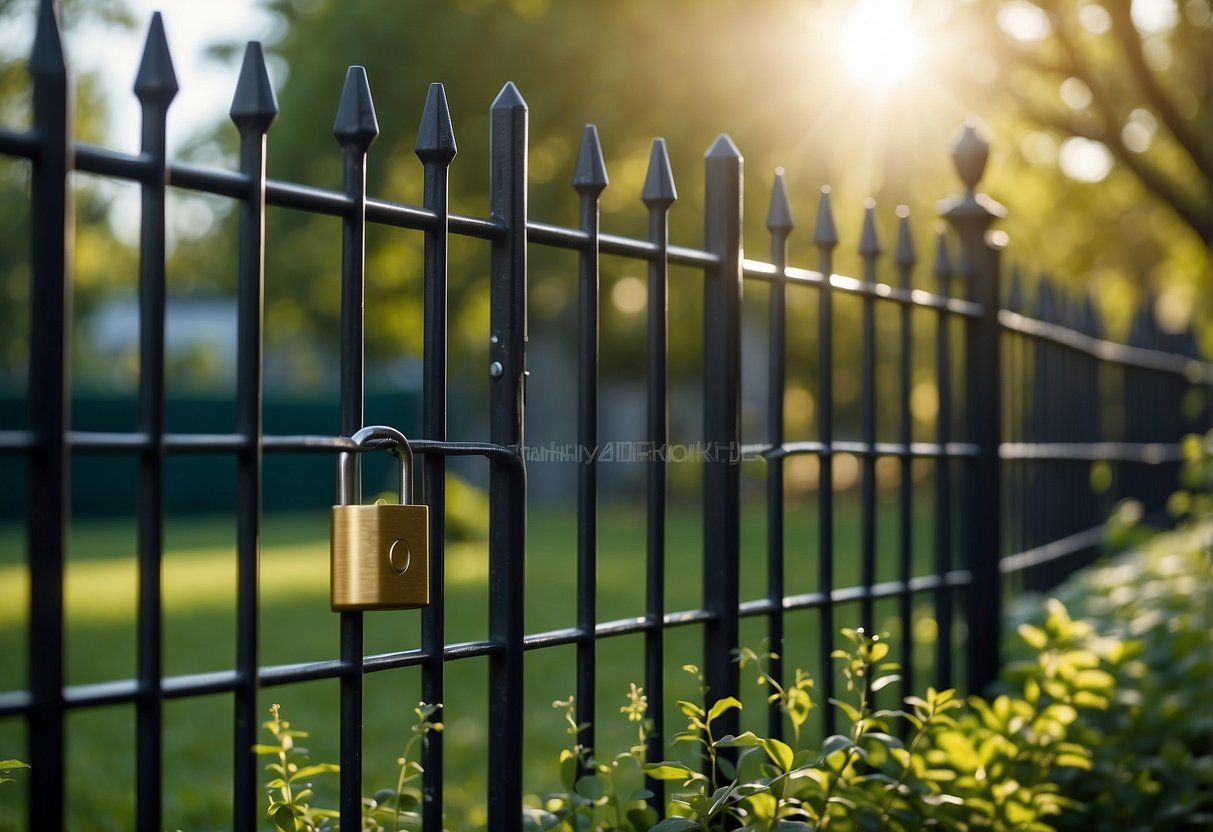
869	250
589	180
971	214
355	127
906	260
47	465
507	492
658	194
436	149
825	236
943	473
155	86
779	224
722	422
254	108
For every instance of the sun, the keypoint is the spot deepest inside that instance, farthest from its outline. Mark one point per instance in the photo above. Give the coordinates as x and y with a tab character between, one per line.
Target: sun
878	43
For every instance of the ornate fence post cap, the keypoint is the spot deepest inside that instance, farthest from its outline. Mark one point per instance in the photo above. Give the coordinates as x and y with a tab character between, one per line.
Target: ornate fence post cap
970	152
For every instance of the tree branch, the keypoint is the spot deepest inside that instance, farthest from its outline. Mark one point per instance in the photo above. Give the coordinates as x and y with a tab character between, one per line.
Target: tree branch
1130	42
1190	212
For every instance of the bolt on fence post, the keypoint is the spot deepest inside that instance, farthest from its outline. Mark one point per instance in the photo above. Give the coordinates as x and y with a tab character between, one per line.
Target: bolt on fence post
507	491
722	423
970	214
254	108
47	463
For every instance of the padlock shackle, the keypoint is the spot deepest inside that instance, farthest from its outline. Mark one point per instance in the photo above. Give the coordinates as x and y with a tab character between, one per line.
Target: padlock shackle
349	468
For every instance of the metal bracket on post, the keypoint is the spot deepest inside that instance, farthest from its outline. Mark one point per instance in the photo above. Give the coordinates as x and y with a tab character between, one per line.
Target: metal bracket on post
970	214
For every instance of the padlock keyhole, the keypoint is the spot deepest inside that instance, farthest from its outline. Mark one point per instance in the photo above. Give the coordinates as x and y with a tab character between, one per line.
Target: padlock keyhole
399	556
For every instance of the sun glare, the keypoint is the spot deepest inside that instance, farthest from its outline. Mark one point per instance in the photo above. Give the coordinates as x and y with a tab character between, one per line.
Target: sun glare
878	42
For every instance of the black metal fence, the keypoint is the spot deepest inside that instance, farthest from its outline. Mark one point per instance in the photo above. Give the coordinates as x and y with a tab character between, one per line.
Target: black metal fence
1043	396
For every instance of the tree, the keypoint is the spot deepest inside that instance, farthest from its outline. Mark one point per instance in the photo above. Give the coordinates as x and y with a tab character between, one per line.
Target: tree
1116	96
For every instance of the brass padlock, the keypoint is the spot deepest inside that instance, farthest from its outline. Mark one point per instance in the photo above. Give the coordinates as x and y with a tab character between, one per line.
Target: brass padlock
379	554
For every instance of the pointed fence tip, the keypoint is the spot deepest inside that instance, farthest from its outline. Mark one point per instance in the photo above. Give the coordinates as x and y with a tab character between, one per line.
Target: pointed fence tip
869	241
589	174
722	148
509	98
659	187
156	79
47	58
1014	300
436	134
356	125
254	105
779	216
825	233
906	256
943	260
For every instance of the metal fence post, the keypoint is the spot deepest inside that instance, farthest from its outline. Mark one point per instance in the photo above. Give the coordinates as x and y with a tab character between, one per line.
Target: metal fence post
507	492
589	180
436	149
155	86
47	467
722	423
355	127
254	108
659	194
970	214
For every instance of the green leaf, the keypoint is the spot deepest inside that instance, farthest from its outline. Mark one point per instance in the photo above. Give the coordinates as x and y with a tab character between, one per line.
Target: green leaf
834	744
675	825
266	749
11	764
313	770
847	708
590	786
884	681
746	740
780	753
668	770
690	709
723	705
798	706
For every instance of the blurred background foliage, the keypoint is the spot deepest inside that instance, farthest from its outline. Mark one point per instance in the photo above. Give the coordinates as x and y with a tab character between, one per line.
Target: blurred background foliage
1098	111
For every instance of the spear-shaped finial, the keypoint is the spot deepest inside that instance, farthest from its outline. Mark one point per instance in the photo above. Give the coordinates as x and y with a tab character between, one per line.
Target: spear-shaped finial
356	125
659	187
156	81
779	215
254	104
825	234
589	174
436	134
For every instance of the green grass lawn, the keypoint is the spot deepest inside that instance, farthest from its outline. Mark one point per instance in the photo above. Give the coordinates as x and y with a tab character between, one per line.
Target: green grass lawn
297	625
